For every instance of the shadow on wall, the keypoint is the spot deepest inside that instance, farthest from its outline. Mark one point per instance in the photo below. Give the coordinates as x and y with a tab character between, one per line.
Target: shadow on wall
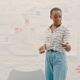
19	75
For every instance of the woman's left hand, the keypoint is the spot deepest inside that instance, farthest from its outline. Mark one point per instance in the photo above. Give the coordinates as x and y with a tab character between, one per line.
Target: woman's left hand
66	46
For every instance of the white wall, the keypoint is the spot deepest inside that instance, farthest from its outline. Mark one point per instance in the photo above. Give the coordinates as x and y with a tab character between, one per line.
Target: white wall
30	19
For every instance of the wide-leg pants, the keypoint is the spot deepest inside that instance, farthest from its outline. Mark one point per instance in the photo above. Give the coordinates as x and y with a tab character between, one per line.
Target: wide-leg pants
55	65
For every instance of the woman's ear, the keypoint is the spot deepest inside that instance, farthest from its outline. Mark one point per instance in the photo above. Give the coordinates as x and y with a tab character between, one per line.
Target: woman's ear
50	17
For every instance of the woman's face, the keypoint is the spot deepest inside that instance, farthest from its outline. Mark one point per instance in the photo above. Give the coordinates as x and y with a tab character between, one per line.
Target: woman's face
56	16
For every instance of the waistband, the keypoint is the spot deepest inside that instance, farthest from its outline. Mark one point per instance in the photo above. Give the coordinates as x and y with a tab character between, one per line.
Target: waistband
52	50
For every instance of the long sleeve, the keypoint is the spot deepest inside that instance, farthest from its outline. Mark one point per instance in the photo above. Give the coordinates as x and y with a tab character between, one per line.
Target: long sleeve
47	37
66	36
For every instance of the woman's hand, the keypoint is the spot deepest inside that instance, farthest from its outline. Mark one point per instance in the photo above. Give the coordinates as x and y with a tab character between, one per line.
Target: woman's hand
66	46
78	69
42	49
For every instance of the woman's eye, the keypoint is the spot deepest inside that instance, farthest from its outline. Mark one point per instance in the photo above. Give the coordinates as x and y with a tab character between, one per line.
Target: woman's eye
57	16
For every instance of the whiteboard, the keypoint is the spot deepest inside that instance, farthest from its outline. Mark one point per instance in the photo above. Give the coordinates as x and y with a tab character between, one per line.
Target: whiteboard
22	24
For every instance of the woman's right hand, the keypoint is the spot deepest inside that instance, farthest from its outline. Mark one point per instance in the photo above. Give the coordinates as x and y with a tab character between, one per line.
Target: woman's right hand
42	49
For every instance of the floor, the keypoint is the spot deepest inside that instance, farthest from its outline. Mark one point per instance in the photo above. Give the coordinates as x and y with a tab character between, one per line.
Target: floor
33	63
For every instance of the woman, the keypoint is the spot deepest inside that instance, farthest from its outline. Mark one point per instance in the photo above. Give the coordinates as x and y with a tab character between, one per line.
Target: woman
56	43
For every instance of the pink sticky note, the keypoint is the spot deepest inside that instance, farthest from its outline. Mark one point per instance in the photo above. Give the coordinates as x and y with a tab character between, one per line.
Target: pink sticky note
27	21
17	29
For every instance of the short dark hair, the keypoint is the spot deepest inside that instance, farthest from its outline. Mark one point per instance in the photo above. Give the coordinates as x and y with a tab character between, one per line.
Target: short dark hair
55	9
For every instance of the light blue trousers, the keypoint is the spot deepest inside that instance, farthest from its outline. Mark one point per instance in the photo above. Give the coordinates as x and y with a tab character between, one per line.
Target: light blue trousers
55	65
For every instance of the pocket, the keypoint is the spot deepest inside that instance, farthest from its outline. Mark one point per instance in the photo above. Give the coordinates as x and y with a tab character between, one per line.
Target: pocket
60	57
